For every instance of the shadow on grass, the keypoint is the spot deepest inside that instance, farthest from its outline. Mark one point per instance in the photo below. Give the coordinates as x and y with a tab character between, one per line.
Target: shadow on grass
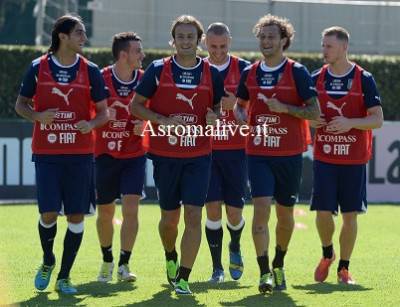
92	289
168	297
281	299
326	288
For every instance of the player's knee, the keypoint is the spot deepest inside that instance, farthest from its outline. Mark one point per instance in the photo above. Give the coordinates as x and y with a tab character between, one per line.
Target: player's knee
169	221
234	218
48	217
75	218
192	217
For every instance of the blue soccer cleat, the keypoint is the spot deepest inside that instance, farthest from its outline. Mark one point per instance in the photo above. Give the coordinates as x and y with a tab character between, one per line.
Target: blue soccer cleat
235	264
43	275
217	276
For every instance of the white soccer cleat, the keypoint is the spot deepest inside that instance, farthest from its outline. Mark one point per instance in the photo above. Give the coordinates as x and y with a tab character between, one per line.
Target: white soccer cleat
106	270
124	274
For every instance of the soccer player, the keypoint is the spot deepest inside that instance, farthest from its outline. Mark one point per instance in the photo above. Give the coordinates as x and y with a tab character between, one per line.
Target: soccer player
351	108
120	160
183	89
228	170
57	94
280	97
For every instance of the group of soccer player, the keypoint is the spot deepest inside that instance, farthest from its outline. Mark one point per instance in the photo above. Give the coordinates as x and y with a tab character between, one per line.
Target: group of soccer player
80	112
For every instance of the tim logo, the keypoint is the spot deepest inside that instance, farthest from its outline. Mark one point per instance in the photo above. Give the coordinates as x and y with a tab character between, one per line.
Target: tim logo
118	124
188	118
267	119
58	92
189	101
64	116
331	105
112	109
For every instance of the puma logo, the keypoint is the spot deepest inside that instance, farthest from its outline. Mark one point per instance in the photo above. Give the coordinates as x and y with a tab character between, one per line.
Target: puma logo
58	92
182	97
119	104
333	106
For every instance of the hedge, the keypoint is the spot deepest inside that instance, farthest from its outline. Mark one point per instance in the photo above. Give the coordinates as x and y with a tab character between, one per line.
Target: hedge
16	59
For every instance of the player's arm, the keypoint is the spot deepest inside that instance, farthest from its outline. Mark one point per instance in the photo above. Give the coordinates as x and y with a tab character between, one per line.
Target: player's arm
240	111
373	120
305	88
24	108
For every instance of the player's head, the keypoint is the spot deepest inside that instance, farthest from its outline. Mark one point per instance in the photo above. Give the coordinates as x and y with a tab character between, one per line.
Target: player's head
127	48
68	31
275	34
335	42
218	40
186	32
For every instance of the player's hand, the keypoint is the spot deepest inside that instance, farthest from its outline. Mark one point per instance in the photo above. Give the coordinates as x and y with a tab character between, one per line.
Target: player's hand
84	126
339	124
240	114
138	127
228	102
318	123
171	121
211	117
47	116
276	106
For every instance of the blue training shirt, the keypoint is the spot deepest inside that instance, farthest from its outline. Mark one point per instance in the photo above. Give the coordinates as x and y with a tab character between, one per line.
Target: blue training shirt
64	74
123	89
269	77
338	86
184	78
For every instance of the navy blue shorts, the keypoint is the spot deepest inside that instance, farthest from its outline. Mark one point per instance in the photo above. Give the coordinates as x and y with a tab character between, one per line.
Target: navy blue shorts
116	177
337	185
228	177
276	176
181	180
65	187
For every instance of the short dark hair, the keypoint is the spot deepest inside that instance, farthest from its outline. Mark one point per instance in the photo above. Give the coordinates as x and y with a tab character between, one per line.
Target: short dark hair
64	24
218	28
121	42
188	20
340	33
286	29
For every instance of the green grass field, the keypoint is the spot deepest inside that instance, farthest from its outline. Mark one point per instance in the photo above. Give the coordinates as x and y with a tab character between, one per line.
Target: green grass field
375	266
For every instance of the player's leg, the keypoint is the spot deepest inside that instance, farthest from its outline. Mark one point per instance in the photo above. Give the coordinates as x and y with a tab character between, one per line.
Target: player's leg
132	181
287	171
49	201
108	189
324	201
352	201
262	187
213	228
166	174
78	186
234	186
194	186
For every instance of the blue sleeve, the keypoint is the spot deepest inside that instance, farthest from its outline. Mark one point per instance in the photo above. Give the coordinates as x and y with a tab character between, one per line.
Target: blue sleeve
370	91
218	85
28	85
98	90
148	84
315	75
243	64
304	82
242	91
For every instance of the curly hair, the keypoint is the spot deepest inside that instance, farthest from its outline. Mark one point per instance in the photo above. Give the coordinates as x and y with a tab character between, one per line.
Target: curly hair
286	29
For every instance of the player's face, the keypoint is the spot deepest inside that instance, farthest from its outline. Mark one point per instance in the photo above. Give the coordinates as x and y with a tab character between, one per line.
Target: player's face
270	41
218	47
333	49
135	55
77	38
186	40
